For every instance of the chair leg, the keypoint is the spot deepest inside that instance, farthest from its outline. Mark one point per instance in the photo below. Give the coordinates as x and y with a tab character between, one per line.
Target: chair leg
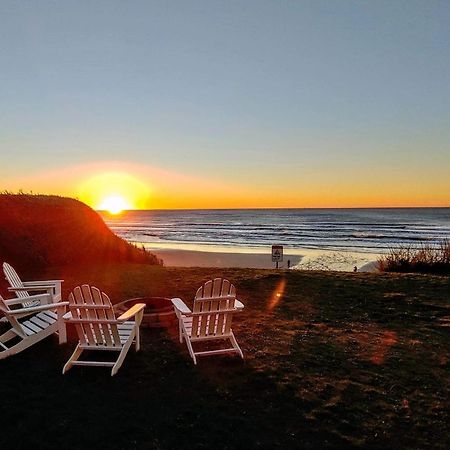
75	355
236	345
122	355
62	332
137	339
180	329
191	350
181	333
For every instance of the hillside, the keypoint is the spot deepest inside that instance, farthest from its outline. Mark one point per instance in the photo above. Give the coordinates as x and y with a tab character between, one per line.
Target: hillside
45	230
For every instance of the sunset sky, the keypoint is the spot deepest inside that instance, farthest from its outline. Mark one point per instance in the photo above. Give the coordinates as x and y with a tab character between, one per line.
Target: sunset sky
191	104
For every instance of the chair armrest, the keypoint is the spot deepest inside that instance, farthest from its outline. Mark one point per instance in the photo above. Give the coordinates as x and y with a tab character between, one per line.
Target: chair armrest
18	300
42	283
32	288
238	305
180	306
127	315
34	309
54	289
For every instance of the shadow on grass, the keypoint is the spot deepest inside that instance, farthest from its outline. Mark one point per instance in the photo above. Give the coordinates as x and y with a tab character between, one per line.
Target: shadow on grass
159	399
335	361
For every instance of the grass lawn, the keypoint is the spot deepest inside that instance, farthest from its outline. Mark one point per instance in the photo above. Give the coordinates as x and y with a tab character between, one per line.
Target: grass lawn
336	361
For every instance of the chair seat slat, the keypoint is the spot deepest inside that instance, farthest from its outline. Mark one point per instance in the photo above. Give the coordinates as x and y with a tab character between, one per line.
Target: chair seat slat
30	326
48	318
39	322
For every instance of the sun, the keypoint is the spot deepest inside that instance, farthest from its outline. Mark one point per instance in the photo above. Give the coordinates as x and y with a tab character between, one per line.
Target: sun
114	192
114	204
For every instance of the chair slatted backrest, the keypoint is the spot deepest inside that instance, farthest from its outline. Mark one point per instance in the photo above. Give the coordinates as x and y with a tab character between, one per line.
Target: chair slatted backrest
14	281
89	304
216	297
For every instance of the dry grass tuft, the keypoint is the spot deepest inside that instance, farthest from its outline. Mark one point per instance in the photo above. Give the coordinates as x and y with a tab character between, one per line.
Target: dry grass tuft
433	259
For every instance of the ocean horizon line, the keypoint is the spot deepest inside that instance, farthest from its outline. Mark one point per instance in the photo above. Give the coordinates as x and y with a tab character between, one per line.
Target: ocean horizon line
282	208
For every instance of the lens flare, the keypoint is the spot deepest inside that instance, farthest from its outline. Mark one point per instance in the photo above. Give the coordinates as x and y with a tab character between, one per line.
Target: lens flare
277	295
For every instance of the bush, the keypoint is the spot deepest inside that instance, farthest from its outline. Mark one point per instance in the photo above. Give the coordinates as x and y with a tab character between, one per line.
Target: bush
433	259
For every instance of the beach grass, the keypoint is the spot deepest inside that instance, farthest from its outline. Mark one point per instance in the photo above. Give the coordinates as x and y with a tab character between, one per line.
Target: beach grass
335	360
434	259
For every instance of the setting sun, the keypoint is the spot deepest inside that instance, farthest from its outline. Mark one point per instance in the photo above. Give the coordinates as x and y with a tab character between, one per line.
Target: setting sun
114	204
115	192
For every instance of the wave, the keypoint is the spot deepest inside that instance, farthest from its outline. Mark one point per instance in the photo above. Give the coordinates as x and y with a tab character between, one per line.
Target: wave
364	230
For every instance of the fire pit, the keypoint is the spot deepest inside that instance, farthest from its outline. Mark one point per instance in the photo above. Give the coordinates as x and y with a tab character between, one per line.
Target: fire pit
158	311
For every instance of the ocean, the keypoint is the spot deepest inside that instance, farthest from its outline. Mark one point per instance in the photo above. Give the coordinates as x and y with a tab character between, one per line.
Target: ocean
373	230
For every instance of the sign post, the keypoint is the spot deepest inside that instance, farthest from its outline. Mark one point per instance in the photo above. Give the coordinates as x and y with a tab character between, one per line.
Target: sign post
277	254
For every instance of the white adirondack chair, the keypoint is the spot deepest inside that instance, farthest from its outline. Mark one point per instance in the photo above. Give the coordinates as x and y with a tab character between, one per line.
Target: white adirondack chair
31	324
215	303
22	289
92	314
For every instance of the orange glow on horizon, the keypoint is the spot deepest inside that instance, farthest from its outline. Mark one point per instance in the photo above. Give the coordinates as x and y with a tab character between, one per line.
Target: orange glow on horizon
147	187
115	192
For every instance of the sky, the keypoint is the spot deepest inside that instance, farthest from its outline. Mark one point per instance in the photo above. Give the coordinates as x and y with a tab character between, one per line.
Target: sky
221	104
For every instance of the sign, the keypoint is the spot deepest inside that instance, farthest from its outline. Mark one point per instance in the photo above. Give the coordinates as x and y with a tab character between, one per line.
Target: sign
277	253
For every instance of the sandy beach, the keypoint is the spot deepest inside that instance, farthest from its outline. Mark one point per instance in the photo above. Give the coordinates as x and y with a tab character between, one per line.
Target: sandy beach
304	259
192	258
